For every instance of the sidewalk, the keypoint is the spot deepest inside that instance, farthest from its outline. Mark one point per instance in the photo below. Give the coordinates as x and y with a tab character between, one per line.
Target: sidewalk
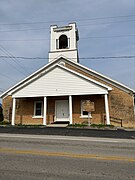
63	131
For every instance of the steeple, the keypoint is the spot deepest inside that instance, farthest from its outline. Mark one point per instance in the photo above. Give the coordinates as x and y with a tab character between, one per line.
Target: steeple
63	42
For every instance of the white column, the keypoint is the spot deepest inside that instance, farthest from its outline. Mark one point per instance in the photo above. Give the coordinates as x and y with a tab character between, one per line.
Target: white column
13	112
70	109
45	110
107	110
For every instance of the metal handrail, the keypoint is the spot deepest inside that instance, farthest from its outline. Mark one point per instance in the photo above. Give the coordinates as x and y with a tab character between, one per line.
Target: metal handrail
114	119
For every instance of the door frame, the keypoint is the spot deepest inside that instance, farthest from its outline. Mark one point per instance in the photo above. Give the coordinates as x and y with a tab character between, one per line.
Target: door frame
62	119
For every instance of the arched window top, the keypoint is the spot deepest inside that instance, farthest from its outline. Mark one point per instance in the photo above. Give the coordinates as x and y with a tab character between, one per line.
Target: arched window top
63	42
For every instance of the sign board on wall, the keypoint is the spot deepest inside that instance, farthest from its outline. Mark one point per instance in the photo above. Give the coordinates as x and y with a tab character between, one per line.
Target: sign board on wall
88	106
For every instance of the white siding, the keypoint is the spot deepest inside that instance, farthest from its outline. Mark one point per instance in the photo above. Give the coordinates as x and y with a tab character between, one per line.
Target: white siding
71	51
72	54
59	82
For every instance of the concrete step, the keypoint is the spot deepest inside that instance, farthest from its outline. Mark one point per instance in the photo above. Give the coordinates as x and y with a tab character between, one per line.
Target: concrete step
57	125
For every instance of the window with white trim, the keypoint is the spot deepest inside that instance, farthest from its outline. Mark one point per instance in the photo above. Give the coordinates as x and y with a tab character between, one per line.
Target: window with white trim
83	113
38	108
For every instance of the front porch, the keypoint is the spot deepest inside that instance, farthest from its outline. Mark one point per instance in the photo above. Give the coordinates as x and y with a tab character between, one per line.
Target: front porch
49	110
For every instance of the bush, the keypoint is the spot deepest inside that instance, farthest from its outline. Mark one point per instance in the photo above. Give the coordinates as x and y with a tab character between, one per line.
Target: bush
4	123
77	125
101	125
30	125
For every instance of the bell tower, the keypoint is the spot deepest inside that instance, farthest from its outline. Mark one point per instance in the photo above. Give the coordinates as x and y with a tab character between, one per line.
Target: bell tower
63	42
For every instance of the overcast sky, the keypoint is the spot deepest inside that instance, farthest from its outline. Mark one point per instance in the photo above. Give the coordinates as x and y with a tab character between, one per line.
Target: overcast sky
106	29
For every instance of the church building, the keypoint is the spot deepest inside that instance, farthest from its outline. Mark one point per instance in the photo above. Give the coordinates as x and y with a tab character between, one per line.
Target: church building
66	91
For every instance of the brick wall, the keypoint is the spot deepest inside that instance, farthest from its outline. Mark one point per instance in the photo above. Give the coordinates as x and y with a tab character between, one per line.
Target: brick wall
97	115
7	108
120	102
25	111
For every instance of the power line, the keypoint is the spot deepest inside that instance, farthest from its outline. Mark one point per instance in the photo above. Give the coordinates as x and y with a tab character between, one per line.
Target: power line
71	20
8	77
9	54
90	37
83	58
112	22
110	57
37	29
2	89
4	50
43	39
112	36
14	59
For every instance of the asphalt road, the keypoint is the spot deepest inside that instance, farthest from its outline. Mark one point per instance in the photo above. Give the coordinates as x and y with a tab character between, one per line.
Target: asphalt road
36	157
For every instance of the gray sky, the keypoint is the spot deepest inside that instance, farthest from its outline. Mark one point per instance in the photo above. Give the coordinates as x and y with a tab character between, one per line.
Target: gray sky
106	28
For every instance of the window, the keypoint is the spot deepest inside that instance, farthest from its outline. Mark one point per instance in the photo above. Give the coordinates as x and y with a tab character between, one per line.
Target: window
63	42
83	113
38	108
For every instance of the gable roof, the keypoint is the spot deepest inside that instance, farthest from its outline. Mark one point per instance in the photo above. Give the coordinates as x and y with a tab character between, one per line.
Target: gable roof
101	76
63	59
59	81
